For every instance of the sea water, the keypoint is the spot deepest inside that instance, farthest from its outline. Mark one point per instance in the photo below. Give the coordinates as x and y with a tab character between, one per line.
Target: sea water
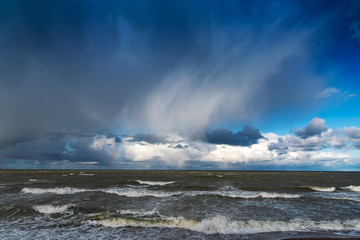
116	204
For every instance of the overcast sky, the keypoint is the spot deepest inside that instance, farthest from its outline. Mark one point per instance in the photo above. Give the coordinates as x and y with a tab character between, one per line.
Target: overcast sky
269	85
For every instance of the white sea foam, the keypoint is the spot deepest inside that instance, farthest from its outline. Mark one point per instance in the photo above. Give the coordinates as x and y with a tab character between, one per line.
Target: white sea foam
127	192
140	192
50	209
138	212
245	194
159	183
322	189
352	188
221	224
86	174
33	180
65	190
136	192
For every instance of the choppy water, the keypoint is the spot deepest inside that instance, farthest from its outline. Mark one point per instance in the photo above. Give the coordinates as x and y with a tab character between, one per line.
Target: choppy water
177	204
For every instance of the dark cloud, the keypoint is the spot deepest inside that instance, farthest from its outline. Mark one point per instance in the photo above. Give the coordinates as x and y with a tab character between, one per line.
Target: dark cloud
180	146
69	147
315	127
280	146
246	137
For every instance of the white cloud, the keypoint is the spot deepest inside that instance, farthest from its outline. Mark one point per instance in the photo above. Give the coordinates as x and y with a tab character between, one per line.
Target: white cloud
322	151
328	92
348	96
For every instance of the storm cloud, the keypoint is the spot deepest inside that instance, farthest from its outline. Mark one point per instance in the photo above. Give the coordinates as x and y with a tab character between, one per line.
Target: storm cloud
89	66
246	137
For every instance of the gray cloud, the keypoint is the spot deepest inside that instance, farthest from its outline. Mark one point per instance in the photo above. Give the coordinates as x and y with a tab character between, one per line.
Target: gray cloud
246	137
315	127
63	147
151	138
352	132
315	137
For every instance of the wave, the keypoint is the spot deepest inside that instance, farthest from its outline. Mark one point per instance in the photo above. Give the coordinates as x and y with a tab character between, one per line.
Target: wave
246	194
138	212
86	174
33	180
159	183
223	225
131	192
352	188
50	209
119	191
140	192
321	189
65	190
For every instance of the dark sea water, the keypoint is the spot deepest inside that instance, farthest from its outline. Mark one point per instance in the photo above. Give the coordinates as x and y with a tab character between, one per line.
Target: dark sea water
102	204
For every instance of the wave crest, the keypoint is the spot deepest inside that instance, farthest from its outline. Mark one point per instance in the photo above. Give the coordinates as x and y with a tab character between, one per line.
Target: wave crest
352	188
321	189
246	194
50	209
119	191
223	225
153	183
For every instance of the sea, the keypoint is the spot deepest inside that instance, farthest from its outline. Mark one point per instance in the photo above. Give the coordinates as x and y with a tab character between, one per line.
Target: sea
132	204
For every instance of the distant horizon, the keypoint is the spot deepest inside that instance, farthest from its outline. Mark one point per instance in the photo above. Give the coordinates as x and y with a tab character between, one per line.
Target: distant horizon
185	170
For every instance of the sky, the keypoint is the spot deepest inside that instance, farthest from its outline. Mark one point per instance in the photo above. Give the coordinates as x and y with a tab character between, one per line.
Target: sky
180	84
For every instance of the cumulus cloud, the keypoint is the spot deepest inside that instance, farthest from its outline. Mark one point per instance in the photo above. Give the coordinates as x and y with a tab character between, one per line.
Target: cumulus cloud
315	127
352	132
346	138
329	150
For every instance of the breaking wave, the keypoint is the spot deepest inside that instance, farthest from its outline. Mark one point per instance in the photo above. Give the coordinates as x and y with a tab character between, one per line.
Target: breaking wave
50	209
119	191
223	225
65	190
352	188
86	174
138	212
246	194
159	183
321	189
139	192
131	192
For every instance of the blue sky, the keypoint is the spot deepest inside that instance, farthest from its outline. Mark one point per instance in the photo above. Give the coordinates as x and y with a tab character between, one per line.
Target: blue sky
180	84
